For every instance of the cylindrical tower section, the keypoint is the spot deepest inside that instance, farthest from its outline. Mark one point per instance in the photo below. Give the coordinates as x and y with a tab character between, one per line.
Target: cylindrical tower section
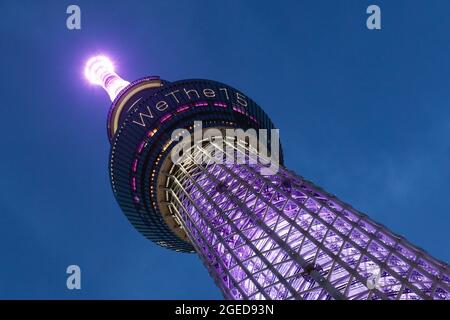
280	237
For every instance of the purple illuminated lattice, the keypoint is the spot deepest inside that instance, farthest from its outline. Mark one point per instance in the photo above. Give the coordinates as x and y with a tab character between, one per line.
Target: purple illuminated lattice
281	237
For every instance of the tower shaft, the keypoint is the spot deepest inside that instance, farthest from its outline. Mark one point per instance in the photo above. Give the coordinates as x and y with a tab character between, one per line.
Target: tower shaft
281	237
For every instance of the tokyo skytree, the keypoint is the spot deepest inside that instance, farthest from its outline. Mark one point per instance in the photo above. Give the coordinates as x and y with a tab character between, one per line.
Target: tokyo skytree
262	231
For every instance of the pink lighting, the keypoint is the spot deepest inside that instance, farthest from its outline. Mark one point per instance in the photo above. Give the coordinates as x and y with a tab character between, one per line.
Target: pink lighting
135	163
183	108
99	70
165	118
220	104
141	146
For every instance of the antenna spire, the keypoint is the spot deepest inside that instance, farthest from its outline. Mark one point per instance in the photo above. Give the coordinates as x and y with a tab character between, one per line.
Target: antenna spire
99	70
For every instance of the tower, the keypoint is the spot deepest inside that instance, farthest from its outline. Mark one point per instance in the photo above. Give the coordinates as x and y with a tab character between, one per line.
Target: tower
262	231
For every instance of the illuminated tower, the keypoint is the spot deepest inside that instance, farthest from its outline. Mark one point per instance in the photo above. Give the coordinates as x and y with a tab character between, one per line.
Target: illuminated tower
262	234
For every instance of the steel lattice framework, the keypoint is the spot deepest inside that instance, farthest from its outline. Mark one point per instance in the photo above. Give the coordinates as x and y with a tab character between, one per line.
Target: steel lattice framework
281	237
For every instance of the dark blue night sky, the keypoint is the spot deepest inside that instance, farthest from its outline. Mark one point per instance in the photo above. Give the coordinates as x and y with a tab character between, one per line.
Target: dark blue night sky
364	114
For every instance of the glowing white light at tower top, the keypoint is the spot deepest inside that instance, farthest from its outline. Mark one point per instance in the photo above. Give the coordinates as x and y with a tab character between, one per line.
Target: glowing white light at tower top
99	70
